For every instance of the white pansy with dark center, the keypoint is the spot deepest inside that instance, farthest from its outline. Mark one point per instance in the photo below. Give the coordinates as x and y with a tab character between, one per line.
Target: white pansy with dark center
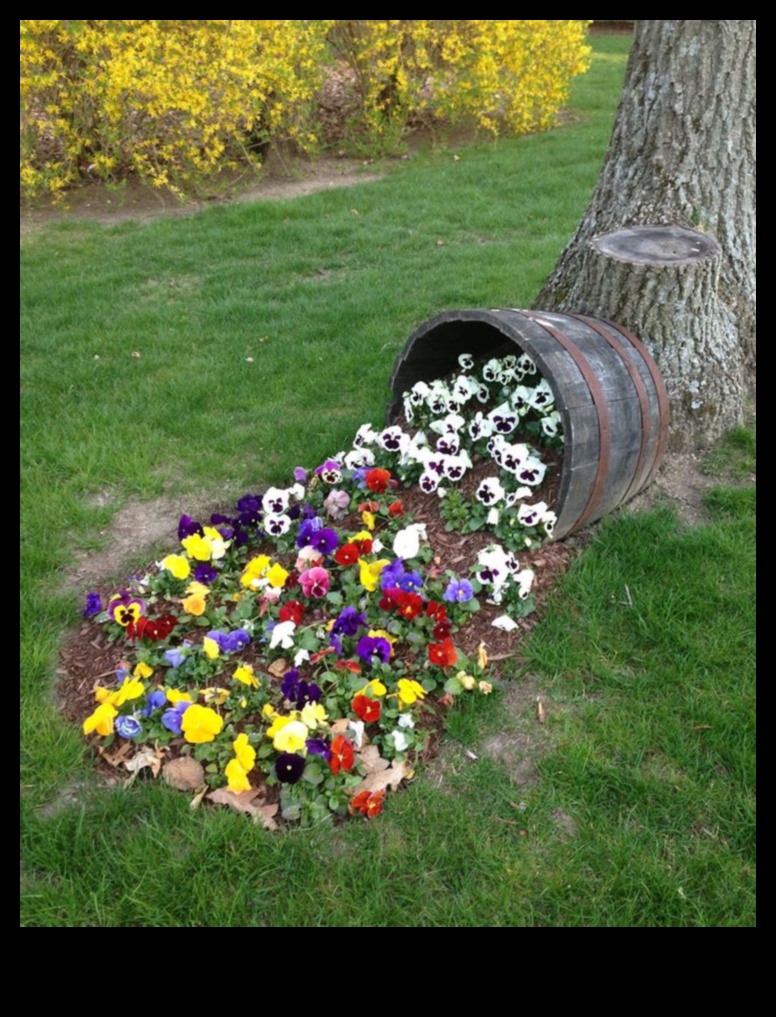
503	418
451	423
541	396
531	515
551	424
393	439
456	466
275	500
466	360
491	370
521	400
276	525
448	444
532	472
428	482
359	457
483	393
464	387
365	435
490	491
525	581
480	427
526	364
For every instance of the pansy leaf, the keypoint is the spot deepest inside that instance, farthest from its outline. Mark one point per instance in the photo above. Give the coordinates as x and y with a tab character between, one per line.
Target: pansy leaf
453	686
312	774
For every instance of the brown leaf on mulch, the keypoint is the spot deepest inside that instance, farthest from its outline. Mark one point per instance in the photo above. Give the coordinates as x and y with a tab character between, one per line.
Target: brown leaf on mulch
245	801
184	773
391	778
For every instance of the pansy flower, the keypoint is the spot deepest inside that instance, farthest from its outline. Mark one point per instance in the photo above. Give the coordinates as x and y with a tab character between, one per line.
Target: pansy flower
378	480
93	605
443	654
342	755
124	608
315	583
366	709
367	803
330	472
128	726
459	591
201	724
187	527
289	767
292	610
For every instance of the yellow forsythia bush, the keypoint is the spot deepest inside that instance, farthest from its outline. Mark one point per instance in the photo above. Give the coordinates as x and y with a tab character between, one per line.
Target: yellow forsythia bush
167	100
499	76
173	101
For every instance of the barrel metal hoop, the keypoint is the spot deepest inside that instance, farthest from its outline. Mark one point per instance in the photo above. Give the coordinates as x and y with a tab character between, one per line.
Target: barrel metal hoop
604	422
639	473
664	408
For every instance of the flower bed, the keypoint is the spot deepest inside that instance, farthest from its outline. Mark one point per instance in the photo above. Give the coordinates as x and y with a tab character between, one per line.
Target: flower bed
294	658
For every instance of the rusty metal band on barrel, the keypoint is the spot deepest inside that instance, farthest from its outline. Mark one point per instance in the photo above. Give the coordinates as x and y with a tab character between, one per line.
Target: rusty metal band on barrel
604	423
664	408
646	429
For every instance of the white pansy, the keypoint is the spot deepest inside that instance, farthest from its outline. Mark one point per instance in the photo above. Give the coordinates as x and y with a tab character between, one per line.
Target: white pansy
521	400
418	393
503	419
406	720
282	635
357	727
275	501
276	526
504	623
428	482
359	457
451	423
456	466
448	444
526	364
301	657
551	424
365	435
532	515
525	582
532	472
541	396
490	491
297	491
466	360
490	371
493	517
399	739
483	393
393	439
406	543
548	521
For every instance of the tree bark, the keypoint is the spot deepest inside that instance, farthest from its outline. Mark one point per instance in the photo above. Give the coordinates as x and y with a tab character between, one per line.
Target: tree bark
682	154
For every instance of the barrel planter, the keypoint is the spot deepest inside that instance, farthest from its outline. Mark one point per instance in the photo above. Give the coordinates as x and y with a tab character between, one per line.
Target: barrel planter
607	389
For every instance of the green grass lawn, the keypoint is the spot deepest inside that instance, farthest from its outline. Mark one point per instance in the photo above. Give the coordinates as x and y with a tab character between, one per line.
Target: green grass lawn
640	806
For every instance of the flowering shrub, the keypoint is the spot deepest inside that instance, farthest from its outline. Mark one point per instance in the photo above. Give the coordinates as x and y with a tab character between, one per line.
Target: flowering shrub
172	101
302	641
498	76
168	100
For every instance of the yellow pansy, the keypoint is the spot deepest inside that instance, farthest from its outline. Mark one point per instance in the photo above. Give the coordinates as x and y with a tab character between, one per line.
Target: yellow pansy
244	673
194	604
254	570
269	712
369	573
277	576
174	696
292	737
131	688
237	776
368	520
200	724
214	694
313	714
373	688
142	670
198	588
245	752
178	565
410	691
218	545
210	648
101	720
197	547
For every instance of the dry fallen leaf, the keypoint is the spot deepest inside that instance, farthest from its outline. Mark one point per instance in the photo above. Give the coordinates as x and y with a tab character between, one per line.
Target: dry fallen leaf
541	713
391	778
482	656
114	758
340	726
244	802
146	758
278	667
372	760
136	354
184	774
196	801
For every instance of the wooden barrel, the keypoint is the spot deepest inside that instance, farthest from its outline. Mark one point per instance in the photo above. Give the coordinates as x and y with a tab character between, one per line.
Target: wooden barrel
607	389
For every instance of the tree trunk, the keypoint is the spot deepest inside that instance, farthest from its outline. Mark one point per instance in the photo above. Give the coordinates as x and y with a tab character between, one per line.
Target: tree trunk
682	154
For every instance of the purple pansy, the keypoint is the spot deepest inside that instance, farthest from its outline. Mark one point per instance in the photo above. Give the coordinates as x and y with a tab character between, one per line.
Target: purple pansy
369	647
205	573
154	701
349	621
93	605
289	767
128	727
187	527
458	591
